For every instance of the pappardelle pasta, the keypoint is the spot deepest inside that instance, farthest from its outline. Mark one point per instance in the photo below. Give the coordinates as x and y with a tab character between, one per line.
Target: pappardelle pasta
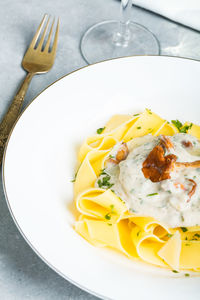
137	190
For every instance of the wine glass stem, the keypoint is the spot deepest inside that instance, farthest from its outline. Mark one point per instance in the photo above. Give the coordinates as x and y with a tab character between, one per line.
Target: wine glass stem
122	37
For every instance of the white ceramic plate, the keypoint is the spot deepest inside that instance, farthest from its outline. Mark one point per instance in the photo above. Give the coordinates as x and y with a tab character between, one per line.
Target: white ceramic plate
40	161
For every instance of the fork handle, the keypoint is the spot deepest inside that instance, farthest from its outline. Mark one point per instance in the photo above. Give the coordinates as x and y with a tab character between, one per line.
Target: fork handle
13	113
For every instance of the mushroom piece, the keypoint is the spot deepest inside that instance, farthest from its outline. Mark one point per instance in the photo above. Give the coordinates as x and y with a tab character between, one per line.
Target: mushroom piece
156	166
187	144
193	164
122	154
165	142
194	186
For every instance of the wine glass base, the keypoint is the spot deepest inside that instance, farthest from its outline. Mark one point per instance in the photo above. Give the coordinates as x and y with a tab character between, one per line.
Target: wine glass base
99	43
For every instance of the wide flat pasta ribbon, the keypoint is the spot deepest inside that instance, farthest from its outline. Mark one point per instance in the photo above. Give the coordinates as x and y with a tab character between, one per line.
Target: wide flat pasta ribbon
89	170
117	236
110	136
105	220
147	246
148	122
101	204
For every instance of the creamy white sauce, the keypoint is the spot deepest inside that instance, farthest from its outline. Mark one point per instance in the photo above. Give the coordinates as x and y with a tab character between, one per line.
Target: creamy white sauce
170	203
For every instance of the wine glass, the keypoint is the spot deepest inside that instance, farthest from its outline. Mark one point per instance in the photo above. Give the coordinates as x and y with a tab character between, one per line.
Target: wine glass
110	39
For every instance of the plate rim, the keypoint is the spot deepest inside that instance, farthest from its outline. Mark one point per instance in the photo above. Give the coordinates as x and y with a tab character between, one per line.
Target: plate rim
92	292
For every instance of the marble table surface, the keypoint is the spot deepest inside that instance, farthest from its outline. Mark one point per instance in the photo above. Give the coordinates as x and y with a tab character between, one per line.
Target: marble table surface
22	274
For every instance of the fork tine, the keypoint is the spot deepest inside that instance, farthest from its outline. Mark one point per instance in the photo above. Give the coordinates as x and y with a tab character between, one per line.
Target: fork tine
46	48
43	35
55	42
34	40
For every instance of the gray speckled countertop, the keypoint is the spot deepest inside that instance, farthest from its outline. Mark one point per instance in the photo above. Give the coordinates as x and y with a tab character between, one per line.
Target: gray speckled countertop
22	274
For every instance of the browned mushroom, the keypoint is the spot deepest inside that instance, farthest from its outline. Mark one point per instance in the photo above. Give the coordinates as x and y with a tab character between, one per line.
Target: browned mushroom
187	144
194	186
193	164
156	166
165	142
122	152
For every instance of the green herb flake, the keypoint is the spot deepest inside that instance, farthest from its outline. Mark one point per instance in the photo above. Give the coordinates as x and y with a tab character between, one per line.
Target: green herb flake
174	271
139	127
111	156
169	235
109	224
177	124
185	128
138	233
149	111
180	127
74	179
153	194
187	244
197	235
184	229
104	182
100	130
135	115
187	275
102	172
108	216
112	208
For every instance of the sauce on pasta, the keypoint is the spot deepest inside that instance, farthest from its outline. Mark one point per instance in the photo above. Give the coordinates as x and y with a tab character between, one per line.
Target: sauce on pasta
166	200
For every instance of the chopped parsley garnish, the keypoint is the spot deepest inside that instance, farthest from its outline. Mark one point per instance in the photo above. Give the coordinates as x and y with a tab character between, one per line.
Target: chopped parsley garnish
111	156
177	124
169	235
112	207
197	235
138	233
139	127
174	271
109	224
180	127
187	244
187	274
108	216
104	182
135	115
185	128
153	194
149	111
74	179
100	130
184	229
102	172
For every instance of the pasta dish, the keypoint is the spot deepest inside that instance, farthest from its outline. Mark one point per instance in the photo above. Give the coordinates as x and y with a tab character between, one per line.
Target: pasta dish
137	190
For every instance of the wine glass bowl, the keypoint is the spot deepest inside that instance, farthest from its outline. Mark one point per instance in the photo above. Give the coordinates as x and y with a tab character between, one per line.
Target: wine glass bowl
111	39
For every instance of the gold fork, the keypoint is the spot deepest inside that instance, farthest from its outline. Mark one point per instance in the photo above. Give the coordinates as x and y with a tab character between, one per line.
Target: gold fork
38	59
